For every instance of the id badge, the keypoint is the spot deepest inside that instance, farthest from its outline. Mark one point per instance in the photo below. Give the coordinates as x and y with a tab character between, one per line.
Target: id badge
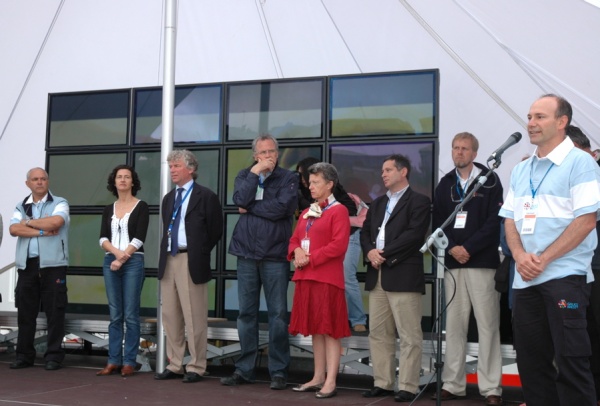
169	243
461	219
380	242
530	208
305	244
528	226
259	193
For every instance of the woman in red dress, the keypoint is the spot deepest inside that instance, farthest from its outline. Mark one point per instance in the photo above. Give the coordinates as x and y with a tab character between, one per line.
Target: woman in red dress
317	249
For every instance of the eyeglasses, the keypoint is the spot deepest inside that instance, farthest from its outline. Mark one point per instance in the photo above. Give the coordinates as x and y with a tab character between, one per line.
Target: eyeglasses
454	195
267	152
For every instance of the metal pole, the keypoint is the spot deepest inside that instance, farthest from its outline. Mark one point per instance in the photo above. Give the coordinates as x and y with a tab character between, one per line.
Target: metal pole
168	103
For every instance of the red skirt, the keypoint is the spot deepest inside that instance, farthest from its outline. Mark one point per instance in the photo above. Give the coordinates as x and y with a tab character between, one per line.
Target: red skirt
319	308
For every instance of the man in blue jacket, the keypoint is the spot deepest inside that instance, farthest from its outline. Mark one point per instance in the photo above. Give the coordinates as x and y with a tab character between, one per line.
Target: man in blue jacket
266	196
41	223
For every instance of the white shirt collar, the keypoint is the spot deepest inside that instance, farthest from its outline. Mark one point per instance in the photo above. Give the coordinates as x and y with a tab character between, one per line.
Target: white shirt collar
42	200
559	153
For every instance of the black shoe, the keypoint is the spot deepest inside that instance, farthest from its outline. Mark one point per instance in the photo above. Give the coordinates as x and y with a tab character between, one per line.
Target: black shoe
323	395
278	383
191	377
20	364
167	374
404	396
234	380
53	365
377	392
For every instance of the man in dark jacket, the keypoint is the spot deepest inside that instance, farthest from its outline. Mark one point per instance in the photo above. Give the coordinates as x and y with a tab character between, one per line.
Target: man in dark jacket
192	225
392	233
472	258
266	196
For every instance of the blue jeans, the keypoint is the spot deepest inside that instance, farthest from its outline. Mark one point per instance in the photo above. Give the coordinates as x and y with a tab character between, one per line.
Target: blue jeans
273	276
123	290
356	314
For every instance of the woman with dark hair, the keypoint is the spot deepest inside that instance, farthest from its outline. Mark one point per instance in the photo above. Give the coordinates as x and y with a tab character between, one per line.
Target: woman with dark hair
122	235
317	248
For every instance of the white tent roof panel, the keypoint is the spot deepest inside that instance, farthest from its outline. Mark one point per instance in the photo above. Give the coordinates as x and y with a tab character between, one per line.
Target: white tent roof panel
494	59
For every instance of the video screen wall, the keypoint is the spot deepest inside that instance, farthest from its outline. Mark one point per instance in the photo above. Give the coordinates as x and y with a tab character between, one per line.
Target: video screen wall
197	115
359	166
286	109
352	121
383	104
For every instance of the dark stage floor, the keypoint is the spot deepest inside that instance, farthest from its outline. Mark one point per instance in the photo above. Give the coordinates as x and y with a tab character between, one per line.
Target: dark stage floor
77	384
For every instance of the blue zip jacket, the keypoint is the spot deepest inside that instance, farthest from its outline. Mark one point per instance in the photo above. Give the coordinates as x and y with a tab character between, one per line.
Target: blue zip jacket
263	233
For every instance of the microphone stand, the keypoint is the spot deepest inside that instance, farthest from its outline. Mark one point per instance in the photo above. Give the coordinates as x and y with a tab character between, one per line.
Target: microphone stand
440	241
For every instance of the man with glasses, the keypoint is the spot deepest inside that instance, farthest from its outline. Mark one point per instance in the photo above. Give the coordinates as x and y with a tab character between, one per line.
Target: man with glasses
471	258
266	196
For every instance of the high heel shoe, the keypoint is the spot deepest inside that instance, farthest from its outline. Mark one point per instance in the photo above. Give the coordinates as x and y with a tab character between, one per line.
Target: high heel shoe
109	369
323	395
305	388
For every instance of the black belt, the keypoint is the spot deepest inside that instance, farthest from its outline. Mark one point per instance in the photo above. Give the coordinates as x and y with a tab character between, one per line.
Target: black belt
182	250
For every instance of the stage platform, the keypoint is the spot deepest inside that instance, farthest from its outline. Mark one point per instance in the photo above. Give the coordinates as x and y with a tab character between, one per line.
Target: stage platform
91	332
76	384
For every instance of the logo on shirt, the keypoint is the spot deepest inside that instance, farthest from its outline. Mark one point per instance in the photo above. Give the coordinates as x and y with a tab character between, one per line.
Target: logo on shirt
563	304
61	281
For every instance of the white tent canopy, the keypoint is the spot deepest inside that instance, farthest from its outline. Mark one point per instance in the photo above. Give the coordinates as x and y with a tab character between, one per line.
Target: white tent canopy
494	59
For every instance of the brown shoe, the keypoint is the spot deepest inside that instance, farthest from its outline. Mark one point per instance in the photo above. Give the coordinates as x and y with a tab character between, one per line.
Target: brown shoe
109	369
444	395
493	400
360	328
127	370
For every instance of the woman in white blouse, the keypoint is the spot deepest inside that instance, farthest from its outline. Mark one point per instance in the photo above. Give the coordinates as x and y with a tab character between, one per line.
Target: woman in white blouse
122	235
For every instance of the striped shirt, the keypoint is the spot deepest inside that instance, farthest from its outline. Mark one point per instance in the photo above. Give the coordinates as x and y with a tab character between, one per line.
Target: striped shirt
566	185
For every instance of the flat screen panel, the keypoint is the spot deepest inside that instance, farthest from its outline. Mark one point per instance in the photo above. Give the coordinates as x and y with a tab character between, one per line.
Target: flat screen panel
148	165
88	119
84	242
232	303
387	104
230	222
282	109
359	166
238	159
82	179
197	114
89	292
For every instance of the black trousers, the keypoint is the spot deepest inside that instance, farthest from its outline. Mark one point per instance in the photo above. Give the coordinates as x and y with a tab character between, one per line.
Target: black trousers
48	287
593	319
552	343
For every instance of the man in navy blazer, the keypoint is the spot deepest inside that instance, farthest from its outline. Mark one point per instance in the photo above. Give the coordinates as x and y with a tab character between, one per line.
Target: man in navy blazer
392	234
192	225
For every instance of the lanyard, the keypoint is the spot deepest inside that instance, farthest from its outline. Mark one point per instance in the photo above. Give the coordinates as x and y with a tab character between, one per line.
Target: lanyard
309	223
534	191
176	209
261	180
459	189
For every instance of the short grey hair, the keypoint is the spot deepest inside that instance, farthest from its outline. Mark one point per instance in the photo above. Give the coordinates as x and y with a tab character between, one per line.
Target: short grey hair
35	169
264	137
186	156
326	170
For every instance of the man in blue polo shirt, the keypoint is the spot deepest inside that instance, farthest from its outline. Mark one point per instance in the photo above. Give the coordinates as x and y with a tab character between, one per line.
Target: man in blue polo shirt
550	212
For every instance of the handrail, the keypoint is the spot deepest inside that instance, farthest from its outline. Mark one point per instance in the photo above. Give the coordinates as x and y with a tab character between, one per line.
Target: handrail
7	267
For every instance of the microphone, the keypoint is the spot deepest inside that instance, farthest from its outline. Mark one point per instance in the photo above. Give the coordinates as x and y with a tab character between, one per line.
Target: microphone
512	140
